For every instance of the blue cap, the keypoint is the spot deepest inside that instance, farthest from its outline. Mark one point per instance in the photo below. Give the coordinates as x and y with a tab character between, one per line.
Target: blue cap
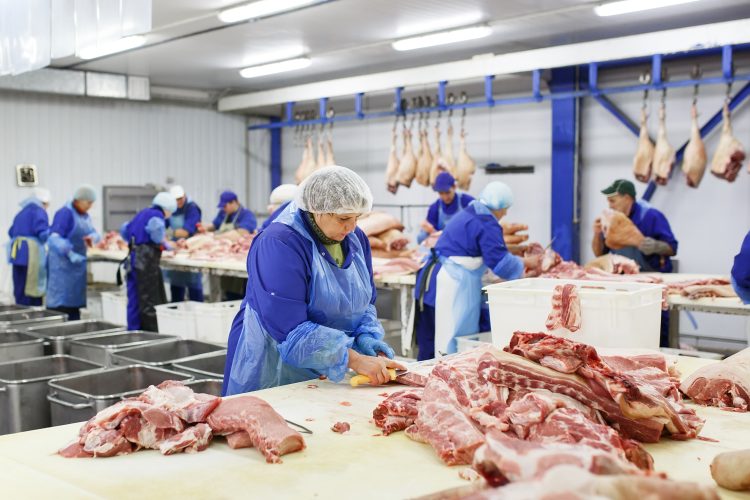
444	182
226	197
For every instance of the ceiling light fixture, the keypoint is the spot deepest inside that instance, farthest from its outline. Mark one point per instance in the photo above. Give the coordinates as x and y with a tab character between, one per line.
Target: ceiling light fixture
127	43
442	38
275	67
629	6
261	8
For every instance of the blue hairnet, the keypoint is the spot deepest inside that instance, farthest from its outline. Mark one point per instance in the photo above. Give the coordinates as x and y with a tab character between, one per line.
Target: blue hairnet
166	201
496	195
334	190
85	192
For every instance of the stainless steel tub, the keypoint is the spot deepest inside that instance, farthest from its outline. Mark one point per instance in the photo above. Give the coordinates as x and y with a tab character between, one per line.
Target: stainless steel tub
57	337
207	386
30	317
99	348
11	308
15	345
165	354
80	397
208	366
23	390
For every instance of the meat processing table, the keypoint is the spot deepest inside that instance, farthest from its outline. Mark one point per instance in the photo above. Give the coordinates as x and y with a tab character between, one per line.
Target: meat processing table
360	463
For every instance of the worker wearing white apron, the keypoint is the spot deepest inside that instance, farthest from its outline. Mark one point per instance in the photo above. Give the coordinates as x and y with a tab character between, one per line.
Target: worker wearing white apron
449	203
449	286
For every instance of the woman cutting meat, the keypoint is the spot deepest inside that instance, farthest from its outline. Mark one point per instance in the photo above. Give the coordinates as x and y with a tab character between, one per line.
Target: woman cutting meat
309	307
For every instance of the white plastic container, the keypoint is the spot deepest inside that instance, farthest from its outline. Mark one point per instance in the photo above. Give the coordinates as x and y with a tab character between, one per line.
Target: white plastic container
213	320
469	342
178	318
115	307
613	314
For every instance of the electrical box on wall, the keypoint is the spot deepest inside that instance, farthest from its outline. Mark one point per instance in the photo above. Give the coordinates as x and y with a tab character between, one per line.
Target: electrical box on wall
26	175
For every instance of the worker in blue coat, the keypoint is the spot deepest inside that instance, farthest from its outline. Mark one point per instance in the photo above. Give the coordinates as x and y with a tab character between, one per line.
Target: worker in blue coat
741	271
280	198
26	249
309	308
146	236
71	234
183	223
449	286
448	204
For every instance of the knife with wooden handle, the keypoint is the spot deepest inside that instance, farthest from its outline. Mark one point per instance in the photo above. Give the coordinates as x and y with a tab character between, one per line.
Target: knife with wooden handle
364	379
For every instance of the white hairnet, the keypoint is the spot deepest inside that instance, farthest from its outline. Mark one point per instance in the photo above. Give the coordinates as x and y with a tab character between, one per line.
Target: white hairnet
85	192
334	190
177	191
496	195
283	193
42	194
166	201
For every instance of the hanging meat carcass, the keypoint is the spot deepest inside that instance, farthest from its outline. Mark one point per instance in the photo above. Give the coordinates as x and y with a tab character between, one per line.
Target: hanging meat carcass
448	155
329	152
694	161
302	169
424	160
664	153
728	158
407	167
466	166
644	156
391	170
439	164
321	161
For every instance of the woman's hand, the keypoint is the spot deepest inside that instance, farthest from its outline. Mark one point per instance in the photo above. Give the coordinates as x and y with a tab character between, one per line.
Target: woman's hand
376	368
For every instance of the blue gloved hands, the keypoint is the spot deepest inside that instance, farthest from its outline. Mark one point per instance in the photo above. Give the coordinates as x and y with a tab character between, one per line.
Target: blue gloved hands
165	245
370	346
76	258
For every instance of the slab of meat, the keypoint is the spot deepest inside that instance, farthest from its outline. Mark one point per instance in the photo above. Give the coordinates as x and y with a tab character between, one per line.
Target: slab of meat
376	243
424	159
178	399
330	160
397	266
695	159
391	169
700	291
378	222
650	367
341	427
619	230
678	287
644	155
465	166
191	440
407	167
307	164
267	429
394	239
549	260
439	162
239	439
209	247
664	153
566	309
614	264
448	155
645	410
398	411
730	154
725	384
112	241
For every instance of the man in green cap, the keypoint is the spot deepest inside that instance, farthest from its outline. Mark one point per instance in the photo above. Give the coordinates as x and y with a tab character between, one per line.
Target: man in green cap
659	244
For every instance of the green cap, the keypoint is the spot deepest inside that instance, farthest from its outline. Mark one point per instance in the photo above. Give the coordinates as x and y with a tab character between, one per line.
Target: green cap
620	186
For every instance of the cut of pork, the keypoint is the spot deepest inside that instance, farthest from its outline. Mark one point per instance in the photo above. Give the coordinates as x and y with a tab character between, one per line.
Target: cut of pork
695	159
407	167
725	384
664	153
378	222
178	399
566	309
398	411
191	440
730	154
644	156
391	169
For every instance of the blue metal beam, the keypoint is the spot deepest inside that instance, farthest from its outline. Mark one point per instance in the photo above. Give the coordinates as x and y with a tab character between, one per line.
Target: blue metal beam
488	96
565	232
617	113
358	105
275	154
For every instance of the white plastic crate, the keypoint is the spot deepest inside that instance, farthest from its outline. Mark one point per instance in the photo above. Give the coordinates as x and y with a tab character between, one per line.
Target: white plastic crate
214	320
115	307
178	318
471	341
613	314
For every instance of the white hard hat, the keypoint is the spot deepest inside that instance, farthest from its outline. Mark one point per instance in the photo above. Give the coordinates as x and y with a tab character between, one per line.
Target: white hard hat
177	191
283	193
42	194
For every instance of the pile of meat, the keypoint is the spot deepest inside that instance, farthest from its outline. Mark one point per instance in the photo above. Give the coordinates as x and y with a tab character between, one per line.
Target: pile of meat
543	401
112	242
725	384
396	266
696	289
209	247
172	418
385	233
606	268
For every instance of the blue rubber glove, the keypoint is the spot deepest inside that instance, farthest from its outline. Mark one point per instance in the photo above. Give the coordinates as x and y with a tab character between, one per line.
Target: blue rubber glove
369	346
76	258
165	245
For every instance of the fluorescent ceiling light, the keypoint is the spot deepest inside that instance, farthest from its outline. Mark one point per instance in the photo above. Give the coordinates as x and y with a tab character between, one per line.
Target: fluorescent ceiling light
628	6
276	67
261	8
94	51
442	38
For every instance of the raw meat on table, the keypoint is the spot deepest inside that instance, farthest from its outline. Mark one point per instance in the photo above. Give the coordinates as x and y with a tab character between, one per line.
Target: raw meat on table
191	440
614	264
397	411
378	222
341	427
396	266
694	292
112	241
566	309
725	384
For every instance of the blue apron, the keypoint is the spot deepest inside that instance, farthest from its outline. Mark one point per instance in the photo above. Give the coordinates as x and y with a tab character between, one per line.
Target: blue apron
339	299
181	278
633	252
66	284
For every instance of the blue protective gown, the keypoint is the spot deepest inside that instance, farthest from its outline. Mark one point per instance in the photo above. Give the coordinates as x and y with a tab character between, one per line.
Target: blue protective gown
275	214
66	282
741	271
27	254
474	232
185	218
301	312
242	219
653	224
144	235
439	213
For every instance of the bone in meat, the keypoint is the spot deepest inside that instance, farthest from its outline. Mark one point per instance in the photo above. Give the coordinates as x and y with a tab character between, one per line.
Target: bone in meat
664	153
727	160
644	156
407	168
694	160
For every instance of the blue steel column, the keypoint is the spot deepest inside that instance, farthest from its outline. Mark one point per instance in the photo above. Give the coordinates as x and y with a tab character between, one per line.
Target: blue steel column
275	154
564	190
